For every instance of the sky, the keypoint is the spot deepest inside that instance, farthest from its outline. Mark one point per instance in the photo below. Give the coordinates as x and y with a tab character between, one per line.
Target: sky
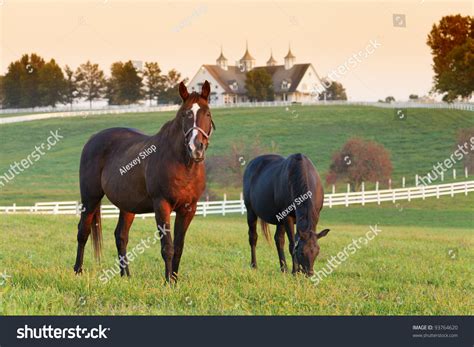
386	40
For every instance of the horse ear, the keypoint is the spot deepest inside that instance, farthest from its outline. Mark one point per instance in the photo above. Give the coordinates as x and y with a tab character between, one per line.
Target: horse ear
323	233
206	90
183	91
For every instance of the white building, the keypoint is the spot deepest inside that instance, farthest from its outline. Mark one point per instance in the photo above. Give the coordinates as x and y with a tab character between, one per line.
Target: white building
291	82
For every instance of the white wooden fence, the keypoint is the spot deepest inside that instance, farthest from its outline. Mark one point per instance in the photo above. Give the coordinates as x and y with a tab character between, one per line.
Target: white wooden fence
237	206
55	113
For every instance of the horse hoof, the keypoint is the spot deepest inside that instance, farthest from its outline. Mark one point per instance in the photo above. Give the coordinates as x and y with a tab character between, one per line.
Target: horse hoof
170	283
78	271
124	273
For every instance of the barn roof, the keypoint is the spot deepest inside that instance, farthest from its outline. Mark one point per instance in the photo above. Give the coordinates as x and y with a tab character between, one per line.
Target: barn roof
278	72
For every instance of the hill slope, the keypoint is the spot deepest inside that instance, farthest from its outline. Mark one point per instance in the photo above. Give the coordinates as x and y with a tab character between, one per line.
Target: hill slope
426	137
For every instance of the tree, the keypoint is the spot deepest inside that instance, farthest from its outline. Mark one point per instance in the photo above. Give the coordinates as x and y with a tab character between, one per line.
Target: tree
155	82
228	168
335	91
458	80
389	99
125	84
90	81
360	161
452	54
413	97
170	95
2	91
51	84
259	85
71	91
21	82
465	139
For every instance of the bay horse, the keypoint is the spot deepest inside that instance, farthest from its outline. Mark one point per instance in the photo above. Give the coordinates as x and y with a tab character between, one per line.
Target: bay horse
142	174
284	191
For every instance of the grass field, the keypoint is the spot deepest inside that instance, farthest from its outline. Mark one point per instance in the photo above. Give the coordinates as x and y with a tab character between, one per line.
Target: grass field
426	137
421	264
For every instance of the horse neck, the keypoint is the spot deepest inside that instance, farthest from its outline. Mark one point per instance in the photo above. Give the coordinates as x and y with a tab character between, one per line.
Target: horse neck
299	186
171	136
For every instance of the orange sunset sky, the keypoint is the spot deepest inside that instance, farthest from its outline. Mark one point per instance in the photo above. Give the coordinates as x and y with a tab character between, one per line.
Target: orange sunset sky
184	35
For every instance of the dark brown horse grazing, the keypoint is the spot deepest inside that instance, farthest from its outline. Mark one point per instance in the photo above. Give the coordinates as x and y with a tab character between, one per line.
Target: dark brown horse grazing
141	174
283	191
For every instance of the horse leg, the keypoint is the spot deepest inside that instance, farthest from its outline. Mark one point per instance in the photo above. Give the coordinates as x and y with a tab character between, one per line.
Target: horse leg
162	217
280	244
84	230
290	232
121	240
182	222
252	222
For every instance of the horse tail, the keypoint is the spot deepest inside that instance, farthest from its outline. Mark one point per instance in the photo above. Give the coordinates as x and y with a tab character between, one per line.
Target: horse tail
265	230
97	233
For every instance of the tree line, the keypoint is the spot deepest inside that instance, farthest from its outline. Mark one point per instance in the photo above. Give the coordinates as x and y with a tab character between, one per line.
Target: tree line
32	82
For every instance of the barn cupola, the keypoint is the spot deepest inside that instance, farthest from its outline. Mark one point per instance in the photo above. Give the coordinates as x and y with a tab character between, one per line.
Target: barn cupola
289	59
222	61
247	62
271	61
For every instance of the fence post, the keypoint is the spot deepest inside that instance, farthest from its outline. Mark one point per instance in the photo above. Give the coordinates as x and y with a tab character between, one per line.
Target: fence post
452	190
330	200
465	172
242	206
442	176
223	204
333	189
347	194
409	197
465	188
377	185
363	194
204	208
423	191
389	183
416	180
403	182
14	207
454	174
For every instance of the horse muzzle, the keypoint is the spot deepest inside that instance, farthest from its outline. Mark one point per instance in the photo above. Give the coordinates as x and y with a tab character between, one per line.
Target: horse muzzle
196	155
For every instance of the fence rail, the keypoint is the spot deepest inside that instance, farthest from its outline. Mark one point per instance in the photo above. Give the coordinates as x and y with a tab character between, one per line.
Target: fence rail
224	207
56	113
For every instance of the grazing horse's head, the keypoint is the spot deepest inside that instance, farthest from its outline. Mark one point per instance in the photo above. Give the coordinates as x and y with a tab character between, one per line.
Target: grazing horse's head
196	120
307	249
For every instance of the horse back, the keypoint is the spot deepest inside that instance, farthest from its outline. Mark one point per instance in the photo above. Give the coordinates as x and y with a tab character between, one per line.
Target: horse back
103	157
272	183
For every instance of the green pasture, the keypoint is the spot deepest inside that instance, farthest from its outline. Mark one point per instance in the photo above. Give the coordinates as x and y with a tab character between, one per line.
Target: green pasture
424	138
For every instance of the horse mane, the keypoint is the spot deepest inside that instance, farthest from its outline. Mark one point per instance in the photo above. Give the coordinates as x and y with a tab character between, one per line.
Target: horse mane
300	185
